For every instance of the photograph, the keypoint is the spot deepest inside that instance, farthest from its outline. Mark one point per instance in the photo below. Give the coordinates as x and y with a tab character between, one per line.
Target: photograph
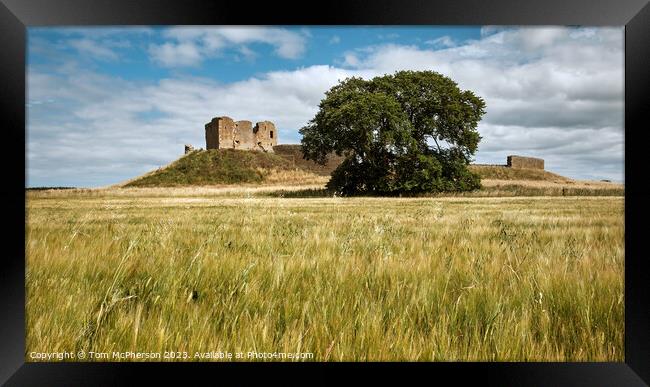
325	193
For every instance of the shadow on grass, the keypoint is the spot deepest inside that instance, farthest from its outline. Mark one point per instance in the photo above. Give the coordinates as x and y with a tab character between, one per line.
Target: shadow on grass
303	193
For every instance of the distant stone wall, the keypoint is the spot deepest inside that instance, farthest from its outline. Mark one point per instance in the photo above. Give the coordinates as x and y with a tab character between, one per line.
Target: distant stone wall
525	162
489	165
293	153
225	133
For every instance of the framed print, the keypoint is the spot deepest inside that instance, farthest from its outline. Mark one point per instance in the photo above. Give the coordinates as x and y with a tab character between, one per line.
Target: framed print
212	188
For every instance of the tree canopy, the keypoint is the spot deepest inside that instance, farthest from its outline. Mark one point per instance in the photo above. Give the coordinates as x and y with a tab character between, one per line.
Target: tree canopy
408	132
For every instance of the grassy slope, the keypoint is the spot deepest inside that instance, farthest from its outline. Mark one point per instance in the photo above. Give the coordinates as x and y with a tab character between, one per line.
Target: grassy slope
228	166
504	181
497	172
210	167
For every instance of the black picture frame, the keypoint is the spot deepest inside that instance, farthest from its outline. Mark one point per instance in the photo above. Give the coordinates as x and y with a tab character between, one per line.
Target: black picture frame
17	15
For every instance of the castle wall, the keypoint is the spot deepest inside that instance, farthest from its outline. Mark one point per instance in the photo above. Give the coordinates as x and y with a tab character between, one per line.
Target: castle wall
293	153
243	135
220	133
266	136
226	130
212	134
525	162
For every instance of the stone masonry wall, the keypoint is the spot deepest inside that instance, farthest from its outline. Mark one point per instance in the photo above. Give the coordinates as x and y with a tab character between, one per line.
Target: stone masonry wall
220	133
243	138
212	134
293	153
525	162
266	136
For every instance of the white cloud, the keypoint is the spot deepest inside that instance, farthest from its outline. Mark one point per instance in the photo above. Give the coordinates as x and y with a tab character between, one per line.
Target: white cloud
534	38
188	46
287	44
95	43
443	41
335	39
96	51
247	53
171	55
351	59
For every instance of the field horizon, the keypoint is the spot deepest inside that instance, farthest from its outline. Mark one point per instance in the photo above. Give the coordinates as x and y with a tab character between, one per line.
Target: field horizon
227	172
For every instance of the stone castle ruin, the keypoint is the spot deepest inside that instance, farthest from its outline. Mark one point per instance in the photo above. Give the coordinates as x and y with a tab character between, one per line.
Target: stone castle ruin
525	162
225	133
518	162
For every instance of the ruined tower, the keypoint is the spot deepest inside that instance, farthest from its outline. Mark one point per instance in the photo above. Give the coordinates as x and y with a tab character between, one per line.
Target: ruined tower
225	133
525	162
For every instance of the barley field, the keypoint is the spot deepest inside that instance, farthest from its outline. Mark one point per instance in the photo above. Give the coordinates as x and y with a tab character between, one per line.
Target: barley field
346	279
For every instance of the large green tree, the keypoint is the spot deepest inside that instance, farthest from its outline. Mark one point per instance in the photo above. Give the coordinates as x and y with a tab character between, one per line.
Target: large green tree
409	132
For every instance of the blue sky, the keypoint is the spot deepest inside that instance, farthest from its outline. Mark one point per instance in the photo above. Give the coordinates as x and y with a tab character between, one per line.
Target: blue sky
109	103
129	56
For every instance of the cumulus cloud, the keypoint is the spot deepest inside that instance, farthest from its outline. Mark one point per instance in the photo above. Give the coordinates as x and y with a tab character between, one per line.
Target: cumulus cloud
443	41
562	101
87	46
188	46
94	43
172	54
540	37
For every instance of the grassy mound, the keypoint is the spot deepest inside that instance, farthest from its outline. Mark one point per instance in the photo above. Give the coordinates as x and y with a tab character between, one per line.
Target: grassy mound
286	167
499	172
216	166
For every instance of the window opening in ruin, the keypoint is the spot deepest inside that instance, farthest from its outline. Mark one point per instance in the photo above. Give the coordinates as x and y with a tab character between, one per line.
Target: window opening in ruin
271	134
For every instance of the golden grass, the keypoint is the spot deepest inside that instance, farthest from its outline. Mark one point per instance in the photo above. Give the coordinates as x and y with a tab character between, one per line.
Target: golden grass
487	279
489	183
223	190
298	183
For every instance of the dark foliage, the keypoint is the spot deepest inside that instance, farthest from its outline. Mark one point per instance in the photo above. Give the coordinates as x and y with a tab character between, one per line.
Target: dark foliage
408	132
